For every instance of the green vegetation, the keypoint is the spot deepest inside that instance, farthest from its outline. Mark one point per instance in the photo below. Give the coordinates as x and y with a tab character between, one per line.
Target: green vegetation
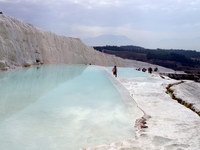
171	58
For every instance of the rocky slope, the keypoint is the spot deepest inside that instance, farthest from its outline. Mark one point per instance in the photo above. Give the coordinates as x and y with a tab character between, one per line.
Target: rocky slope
22	44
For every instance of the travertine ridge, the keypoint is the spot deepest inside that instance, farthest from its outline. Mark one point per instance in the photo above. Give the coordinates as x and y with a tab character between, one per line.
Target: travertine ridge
22	45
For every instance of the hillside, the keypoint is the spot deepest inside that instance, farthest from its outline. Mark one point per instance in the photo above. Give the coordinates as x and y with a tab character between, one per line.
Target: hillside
22	44
184	60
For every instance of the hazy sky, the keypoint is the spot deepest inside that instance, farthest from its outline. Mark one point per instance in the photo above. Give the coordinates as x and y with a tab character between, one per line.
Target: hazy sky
147	23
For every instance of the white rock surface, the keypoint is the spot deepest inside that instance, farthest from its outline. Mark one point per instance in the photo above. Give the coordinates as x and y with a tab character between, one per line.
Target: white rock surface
22	44
189	91
171	126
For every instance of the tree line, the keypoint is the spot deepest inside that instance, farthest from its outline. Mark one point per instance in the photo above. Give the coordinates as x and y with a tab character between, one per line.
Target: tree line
172	58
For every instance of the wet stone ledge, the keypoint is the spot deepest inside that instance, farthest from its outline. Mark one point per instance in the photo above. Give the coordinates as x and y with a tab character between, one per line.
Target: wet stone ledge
179	100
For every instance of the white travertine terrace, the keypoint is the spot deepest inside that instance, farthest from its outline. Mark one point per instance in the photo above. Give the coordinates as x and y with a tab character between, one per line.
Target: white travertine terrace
22	44
171	126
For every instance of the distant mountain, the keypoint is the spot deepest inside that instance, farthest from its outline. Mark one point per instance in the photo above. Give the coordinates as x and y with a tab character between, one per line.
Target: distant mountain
108	40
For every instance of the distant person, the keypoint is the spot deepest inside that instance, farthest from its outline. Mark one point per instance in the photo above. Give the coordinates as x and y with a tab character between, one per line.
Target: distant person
114	70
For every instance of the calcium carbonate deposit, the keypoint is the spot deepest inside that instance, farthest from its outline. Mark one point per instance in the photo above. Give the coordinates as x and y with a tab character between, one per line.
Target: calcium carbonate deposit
22	44
166	125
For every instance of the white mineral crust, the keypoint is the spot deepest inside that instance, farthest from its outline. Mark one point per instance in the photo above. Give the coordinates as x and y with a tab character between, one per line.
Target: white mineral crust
170	125
22	44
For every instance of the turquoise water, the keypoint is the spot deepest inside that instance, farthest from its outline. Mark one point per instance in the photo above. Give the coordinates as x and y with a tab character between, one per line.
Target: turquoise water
125	72
60	107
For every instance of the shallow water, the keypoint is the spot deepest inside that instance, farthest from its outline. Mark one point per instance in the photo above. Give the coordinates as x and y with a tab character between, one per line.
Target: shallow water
59	107
125	72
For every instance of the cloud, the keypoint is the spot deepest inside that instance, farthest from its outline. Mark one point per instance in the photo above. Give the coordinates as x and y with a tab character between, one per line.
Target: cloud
107	39
91	4
146	22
